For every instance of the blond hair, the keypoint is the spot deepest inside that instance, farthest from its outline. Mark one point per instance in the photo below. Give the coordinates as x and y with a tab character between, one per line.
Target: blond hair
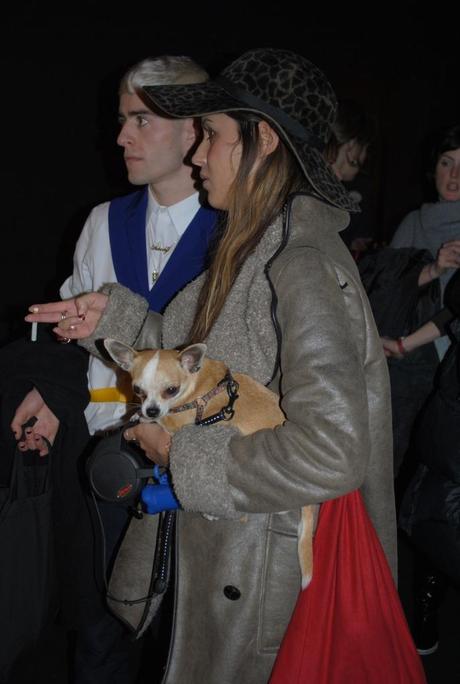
164	70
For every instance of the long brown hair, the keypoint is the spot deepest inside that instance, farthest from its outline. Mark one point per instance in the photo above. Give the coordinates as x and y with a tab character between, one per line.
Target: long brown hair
252	206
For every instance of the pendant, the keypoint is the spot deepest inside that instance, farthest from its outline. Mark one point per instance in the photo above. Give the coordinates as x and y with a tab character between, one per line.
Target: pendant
160	248
155	275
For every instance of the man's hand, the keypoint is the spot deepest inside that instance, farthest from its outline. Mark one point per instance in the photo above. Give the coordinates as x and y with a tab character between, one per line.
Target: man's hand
45	428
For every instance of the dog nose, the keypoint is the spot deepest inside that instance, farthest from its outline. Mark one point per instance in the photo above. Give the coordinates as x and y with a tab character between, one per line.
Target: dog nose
152	412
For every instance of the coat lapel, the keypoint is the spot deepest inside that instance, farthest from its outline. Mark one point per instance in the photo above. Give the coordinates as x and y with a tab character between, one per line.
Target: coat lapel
127	216
187	261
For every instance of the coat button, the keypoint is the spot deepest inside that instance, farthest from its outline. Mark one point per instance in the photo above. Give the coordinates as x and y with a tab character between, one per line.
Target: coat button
232	593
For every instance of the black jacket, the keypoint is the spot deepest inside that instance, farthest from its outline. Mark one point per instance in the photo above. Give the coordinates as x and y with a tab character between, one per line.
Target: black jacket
390	278
430	511
59	373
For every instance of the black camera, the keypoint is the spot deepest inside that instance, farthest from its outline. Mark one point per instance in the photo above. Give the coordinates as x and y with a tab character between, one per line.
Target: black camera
118	471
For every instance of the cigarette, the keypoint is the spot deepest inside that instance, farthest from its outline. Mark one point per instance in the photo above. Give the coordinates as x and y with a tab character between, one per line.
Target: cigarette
33	332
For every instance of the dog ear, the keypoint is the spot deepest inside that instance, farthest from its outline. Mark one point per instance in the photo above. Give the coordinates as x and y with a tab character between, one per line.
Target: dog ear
192	357
121	353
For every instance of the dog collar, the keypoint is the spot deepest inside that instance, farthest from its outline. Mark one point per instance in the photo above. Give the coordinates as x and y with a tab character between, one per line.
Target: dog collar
226	412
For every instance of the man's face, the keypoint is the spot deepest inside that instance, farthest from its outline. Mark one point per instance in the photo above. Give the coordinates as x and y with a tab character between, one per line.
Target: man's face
154	147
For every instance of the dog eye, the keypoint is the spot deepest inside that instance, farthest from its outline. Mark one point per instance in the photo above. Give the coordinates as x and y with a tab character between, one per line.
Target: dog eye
138	391
171	391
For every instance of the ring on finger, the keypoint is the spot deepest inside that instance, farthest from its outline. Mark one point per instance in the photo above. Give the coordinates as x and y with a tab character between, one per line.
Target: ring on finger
129	437
65	340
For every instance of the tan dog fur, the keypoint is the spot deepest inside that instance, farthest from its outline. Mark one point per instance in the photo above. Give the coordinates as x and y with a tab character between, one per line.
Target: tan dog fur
166	378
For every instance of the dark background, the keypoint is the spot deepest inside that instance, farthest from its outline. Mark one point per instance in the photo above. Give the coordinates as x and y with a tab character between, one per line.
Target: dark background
60	70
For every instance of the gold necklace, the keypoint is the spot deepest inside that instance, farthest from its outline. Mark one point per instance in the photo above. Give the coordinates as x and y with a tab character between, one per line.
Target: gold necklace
164	249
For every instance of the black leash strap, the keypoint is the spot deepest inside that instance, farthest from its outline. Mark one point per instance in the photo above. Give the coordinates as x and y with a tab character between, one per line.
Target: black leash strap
226	412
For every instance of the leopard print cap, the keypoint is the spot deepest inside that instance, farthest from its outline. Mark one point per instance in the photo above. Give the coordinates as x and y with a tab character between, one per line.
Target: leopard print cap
287	90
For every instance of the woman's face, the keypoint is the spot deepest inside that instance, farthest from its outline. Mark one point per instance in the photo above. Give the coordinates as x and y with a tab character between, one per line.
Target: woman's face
219	157
447	176
349	161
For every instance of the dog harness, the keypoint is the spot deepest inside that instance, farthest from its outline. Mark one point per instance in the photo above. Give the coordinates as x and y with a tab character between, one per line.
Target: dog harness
226	412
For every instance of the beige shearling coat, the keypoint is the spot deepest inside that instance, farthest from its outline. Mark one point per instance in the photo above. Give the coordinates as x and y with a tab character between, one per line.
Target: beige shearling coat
237	582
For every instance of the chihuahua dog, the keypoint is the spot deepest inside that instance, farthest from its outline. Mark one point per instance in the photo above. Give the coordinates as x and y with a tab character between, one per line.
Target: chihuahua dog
177	388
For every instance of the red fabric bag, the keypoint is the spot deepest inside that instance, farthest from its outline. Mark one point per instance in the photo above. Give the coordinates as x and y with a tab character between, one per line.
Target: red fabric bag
348	625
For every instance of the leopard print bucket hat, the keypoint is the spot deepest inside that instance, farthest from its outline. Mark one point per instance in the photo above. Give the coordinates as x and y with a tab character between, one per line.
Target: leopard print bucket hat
287	90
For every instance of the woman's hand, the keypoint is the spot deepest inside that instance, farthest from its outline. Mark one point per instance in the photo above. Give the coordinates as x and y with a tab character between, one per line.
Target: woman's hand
153	439
448	256
76	318
429	332
44	430
391	348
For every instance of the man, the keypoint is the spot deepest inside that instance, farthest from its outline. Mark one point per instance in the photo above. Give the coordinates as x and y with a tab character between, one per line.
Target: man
153	241
133	238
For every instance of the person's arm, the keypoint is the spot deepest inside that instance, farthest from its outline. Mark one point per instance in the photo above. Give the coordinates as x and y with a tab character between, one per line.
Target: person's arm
424	335
427	333
114	312
33	405
47	381
428	273
42	432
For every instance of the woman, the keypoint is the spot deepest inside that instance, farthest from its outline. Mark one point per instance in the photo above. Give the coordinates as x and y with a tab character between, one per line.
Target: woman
434	227
281	301
352	133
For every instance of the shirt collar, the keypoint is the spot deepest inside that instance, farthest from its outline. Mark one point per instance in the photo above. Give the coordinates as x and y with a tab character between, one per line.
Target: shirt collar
180	213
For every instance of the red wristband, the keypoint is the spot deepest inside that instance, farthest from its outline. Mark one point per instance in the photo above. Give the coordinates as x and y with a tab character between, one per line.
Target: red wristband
401	348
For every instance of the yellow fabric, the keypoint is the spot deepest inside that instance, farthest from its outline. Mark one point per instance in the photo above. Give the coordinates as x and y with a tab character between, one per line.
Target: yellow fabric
110	394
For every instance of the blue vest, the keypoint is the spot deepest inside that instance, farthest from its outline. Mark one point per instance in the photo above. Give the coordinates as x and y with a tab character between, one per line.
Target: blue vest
127	219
